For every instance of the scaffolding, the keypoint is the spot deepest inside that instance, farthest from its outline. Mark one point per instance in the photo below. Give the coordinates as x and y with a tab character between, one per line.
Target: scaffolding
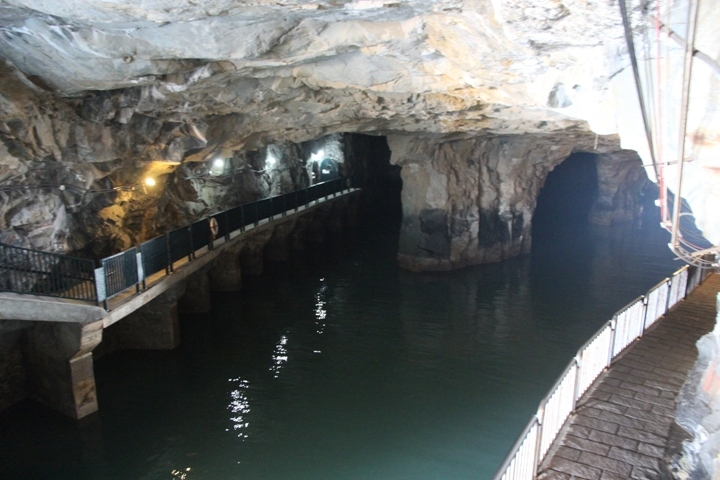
665	33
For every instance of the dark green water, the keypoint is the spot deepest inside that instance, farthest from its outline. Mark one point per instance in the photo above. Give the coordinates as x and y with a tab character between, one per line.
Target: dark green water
337	365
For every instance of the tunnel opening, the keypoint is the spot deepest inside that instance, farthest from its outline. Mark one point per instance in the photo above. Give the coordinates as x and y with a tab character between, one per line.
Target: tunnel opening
565	201
380	181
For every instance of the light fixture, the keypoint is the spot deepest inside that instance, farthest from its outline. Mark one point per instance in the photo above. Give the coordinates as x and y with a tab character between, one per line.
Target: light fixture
270	159
150	182
317	156
217	167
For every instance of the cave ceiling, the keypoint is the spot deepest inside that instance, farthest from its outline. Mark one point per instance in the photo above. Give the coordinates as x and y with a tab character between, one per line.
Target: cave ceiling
294	71
107	82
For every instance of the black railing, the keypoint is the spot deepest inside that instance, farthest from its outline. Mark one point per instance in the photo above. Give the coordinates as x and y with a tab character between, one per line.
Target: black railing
155	256
163	252
30	271
120	272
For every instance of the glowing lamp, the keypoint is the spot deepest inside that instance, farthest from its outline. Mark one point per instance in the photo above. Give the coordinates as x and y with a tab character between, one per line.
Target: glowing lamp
270	160
150	182
317	156
217	167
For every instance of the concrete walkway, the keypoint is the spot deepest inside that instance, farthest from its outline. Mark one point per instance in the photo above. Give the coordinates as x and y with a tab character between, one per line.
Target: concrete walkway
622	425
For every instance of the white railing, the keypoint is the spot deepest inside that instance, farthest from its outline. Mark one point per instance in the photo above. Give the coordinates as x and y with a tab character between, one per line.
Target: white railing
592	359
629	325
656	301
677	288
558	405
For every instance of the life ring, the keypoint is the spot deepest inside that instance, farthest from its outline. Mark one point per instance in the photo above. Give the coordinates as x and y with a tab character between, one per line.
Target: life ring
214	227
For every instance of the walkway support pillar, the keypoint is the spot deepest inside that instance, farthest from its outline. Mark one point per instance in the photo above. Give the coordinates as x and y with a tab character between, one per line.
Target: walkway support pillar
252	253
197	294
152	327
297	237
226	272
60	366
278	247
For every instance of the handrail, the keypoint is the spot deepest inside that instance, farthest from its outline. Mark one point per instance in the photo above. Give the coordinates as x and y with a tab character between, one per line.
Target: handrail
36	272
594	356
133	267
23	270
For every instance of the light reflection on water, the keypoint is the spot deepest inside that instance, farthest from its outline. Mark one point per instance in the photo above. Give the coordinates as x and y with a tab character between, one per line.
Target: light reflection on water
340	366
240	407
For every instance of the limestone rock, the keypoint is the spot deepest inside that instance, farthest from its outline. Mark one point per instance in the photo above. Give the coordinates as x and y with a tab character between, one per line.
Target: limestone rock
95	96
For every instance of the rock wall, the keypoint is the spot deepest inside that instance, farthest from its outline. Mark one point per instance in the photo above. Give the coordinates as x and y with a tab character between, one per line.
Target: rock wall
621	183
100	93
73	170
471	201
696	443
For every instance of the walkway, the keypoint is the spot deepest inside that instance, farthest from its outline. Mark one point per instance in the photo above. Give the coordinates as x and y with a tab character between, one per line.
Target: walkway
30	307
621	426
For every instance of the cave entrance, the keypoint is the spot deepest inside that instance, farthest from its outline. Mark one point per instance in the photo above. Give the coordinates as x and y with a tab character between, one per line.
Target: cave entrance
564	203
382	184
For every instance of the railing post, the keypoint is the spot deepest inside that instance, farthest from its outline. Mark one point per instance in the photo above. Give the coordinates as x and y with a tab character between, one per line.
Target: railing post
168	255
242	218
540	418
189	232
613	329
138	268
104	282
578	369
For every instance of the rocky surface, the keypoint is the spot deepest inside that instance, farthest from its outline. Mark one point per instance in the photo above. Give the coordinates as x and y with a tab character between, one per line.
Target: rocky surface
94	97
471	201
71	181
697	417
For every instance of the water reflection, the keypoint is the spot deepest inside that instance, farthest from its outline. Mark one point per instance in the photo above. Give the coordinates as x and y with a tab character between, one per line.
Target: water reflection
320	312
280	356
423	377
181	474
240	407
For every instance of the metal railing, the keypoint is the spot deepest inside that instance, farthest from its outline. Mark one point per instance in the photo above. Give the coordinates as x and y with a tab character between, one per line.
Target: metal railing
30	271
628	324
41	273
132	268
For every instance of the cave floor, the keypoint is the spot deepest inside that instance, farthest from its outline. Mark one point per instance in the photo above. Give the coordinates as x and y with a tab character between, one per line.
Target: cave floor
622	426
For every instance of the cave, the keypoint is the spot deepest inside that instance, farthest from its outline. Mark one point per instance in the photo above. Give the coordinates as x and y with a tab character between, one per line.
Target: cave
565	201
325	240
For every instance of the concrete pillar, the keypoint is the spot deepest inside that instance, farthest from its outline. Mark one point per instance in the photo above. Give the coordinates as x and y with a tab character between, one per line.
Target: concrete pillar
197	294
152	327
13	383
278	247
297	238
59	366
351	214
251	255
226	272
316	230
336	221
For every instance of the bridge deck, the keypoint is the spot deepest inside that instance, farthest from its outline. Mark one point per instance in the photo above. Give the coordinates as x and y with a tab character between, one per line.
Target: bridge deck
621	426
30	307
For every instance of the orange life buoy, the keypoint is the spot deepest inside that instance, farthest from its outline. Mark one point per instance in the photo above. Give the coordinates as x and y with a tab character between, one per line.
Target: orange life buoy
214	228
